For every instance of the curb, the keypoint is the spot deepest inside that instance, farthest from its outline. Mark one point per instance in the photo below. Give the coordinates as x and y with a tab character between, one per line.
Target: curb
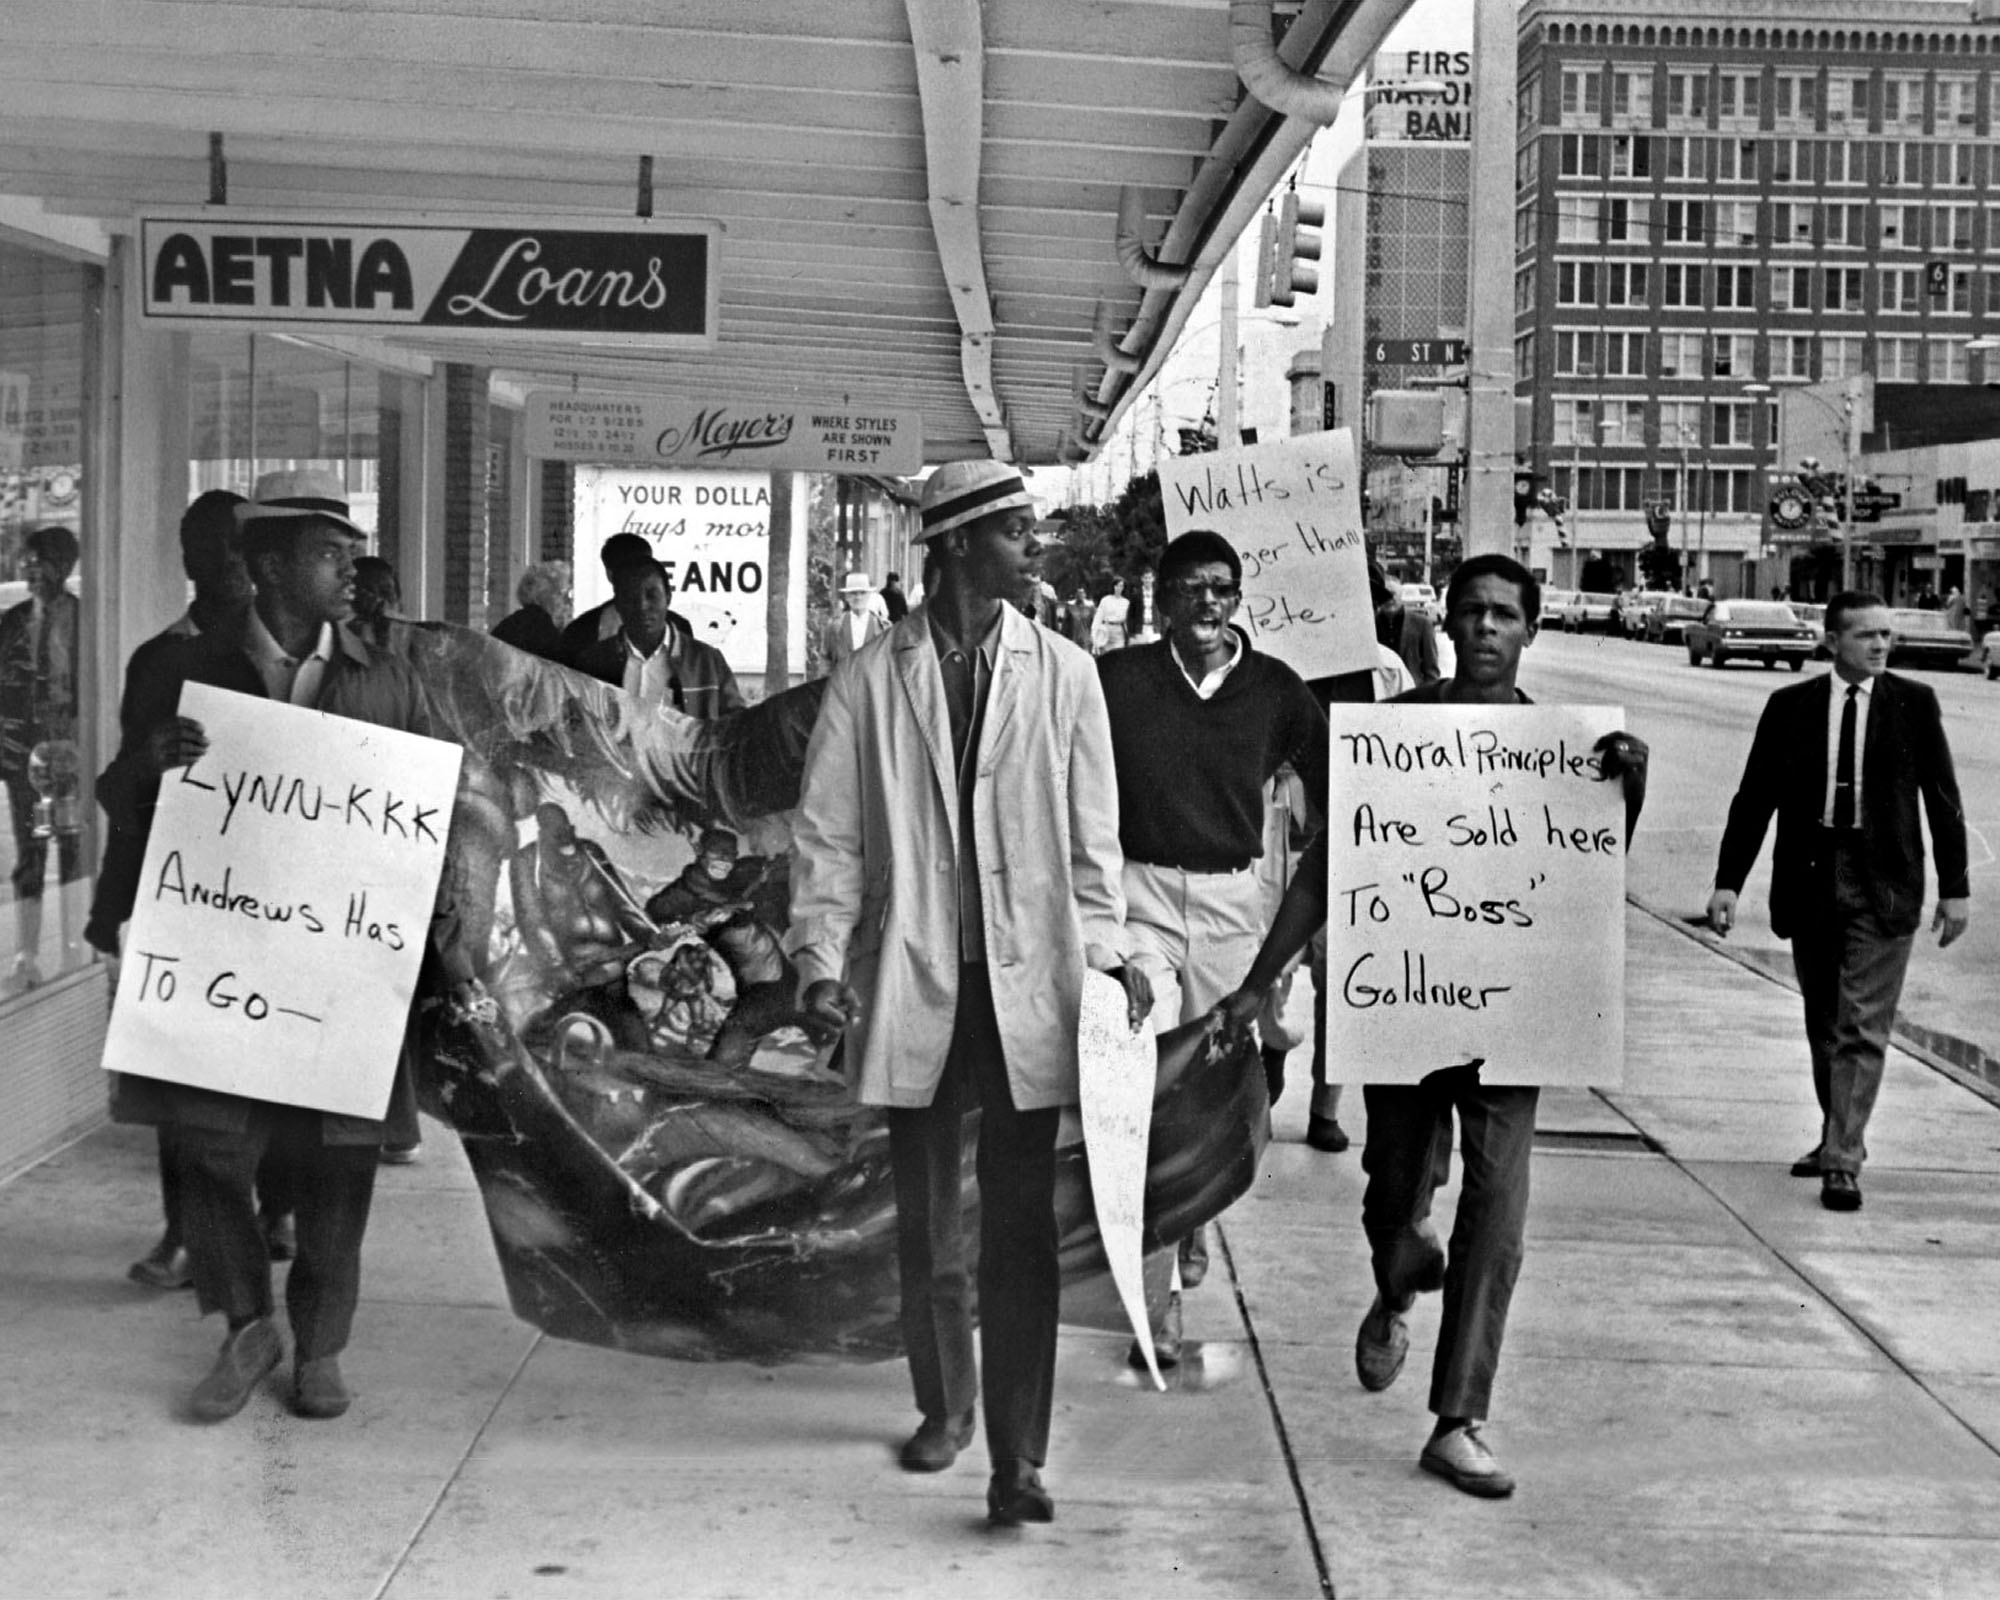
1906	1039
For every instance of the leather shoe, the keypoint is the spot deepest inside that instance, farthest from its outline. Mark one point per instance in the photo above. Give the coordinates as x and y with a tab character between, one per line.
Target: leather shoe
1462	1459
1016	1495
1380	1347
1166	1341
1807	1166
281	1236
318	1390
1326	1133
164	1267
402	1155
936	1444
1194	1258
247	1355
1840	1191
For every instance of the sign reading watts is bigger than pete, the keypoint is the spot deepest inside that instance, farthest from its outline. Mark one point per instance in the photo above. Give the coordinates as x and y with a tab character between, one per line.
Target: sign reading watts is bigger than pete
651	283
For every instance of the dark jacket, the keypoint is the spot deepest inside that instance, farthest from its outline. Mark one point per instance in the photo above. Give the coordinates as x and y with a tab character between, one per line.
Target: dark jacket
30	710
531	629
699	681
1904	759
360	683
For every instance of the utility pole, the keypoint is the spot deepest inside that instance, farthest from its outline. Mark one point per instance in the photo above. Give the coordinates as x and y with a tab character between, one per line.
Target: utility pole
1227	434
1486	507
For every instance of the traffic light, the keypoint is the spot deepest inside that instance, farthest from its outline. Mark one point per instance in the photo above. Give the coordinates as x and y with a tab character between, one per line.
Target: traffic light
1295	243
1267	239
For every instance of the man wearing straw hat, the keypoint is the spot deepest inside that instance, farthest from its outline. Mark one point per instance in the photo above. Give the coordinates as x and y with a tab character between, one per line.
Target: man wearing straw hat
855	624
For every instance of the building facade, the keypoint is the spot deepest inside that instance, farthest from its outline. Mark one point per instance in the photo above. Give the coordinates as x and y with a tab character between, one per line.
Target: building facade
1714	208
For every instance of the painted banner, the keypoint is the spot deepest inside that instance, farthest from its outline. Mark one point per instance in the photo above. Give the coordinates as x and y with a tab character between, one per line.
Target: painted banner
284	906
1115	1083
647	283
711	531
1292	509
657	430
1475	895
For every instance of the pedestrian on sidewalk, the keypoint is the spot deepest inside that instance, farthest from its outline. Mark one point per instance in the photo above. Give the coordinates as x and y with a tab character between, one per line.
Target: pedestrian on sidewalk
1844	772
958	868
1200	724
1492	610
298	541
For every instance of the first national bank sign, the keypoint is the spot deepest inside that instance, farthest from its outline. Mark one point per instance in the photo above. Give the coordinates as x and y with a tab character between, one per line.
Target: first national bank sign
646	282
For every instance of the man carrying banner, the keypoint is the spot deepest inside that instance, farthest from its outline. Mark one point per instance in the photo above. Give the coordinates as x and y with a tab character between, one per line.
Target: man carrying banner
1492	609
298	542
1200	722
958	867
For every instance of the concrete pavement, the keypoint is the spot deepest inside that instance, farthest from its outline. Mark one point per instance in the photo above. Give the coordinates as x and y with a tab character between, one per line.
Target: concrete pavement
1712	1387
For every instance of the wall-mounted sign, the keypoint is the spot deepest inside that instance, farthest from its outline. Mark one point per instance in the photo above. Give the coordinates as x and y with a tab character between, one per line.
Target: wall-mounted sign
642	282
1420	97
689	431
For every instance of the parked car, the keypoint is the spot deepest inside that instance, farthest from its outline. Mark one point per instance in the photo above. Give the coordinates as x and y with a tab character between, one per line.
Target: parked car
1925	639
1554	603
1668	625
1754	630
1421	597
1636	608
1589	610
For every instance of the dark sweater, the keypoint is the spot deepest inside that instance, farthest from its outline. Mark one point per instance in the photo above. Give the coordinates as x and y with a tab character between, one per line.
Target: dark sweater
1191	772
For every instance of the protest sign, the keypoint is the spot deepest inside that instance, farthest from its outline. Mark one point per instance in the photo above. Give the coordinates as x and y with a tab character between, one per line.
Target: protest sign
284	906
1292	509
1117	1068
1475	895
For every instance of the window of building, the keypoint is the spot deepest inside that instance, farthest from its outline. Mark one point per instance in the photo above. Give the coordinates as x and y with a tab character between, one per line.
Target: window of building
1735	286
1902	100
1628	420
1627	219
1624	487
1683	222
1951	229
1844	161
1729	423
1733	222
1737	96
1895	227
1947	361
1735	161
1843	290
1582	95
1901	290
1576	352
1791	355
1791	224
1680	355
1839	356
1791	288
1680	424
1580	155
1733	355
1680	283
1631	156
1574	422
1902	164
1632	95
1846	227
1791	161
1687	97
1625	283
1795	98
1897	359
1524	289
1528	106
1957	101
1576	283
1685	157
1577	220
1954	164
1729	488
1625	352
1528	166
1524	352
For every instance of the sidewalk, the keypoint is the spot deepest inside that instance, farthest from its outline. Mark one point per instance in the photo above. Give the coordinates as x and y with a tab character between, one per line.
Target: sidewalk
1712	1387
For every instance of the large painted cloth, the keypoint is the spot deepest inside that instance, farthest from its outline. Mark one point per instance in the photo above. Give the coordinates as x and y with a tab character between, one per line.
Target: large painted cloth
669	1162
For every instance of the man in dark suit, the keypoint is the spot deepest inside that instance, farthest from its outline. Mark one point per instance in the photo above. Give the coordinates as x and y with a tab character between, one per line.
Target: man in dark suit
654	654
1843	760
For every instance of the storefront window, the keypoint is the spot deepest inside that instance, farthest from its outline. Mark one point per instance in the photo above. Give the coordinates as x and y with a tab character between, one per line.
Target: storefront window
48	313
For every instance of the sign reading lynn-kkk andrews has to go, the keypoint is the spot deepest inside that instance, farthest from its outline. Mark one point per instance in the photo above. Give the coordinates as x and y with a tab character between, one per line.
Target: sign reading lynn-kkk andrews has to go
647	283
1475	895
653	430
1292	509
284	906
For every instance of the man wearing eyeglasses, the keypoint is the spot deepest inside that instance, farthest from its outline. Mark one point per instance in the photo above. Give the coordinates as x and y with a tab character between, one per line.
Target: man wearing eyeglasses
1199	723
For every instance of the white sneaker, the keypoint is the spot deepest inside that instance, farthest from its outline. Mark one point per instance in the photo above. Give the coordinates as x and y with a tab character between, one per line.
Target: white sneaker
1462	1459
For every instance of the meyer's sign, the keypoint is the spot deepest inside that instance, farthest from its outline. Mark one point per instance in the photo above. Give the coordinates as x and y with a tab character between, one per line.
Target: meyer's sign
643	282
685	431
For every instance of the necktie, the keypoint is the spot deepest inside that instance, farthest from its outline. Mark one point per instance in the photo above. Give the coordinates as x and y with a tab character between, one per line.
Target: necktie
1843	766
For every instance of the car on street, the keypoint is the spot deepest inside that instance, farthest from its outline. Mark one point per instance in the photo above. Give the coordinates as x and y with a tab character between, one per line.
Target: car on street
1669	623
1554	602
1749	630
1421	597
1636	608
1926	639
1582	610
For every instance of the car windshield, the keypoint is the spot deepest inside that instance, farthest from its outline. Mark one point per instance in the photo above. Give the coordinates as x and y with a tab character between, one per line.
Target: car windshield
1592	599
1686	606
1759	613
1919	621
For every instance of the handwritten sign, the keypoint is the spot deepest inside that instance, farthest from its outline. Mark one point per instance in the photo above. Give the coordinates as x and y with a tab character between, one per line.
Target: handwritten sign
1292	509
656	430
1476	895
1117	1069
284	906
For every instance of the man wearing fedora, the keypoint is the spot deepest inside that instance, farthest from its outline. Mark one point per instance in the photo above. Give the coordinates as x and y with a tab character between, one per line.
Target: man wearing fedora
299	544
855	624
958	868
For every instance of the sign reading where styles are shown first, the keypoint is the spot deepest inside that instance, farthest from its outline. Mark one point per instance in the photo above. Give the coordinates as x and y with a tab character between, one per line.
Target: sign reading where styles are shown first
1475	895
657	430
285	902
1292	509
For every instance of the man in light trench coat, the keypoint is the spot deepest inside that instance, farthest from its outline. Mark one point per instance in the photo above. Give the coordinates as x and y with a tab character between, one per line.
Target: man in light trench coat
958	869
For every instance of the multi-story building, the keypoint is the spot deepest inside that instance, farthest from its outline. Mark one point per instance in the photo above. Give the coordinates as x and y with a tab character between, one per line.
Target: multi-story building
1713	205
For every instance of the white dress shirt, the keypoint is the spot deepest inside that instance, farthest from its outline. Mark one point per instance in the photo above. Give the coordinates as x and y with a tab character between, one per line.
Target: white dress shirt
1836	704
286	678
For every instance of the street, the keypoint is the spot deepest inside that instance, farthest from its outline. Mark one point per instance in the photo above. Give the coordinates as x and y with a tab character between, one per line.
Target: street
1699	723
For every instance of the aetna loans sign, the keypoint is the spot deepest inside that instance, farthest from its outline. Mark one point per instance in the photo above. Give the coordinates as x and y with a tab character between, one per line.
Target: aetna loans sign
649	282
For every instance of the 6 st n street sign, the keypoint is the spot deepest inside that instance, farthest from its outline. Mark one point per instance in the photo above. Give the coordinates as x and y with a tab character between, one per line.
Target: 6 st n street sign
642	282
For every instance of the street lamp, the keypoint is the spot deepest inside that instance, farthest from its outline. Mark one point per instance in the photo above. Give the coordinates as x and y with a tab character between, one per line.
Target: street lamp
1849	419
